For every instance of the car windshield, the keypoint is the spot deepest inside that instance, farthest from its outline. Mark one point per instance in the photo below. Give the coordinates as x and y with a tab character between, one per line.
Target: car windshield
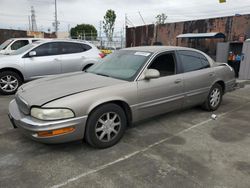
5	44
24	49
123	64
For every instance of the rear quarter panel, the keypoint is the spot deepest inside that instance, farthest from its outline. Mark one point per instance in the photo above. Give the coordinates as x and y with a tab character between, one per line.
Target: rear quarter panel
226	74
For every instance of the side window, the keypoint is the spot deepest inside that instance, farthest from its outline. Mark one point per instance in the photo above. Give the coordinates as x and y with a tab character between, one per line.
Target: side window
86	47
19	44
204	61
70	48
192	61
34	40
47	49
165	64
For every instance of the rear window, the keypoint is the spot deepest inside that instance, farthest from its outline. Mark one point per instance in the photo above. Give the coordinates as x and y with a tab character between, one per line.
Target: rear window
70	48
192	61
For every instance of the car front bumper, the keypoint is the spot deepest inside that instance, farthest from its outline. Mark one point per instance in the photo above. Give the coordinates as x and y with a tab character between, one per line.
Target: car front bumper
31	126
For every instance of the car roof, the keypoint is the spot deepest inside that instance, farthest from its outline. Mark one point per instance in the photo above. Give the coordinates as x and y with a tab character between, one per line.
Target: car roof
154	49
66	40
26	38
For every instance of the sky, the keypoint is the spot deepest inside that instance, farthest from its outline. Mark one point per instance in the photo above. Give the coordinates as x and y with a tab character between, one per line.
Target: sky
14	13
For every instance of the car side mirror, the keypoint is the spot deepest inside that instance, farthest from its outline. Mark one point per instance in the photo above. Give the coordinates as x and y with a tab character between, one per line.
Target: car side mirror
151	74
32	53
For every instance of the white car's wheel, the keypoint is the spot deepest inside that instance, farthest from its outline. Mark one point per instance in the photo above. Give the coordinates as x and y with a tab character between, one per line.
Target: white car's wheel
9	82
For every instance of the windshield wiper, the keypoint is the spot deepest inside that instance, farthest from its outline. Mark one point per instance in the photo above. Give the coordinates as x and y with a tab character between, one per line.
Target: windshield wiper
102	74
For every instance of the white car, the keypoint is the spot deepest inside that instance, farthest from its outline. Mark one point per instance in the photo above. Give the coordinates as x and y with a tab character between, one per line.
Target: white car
14	44
44	58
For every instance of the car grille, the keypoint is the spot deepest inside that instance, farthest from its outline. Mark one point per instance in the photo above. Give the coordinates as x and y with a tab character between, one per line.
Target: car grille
22	105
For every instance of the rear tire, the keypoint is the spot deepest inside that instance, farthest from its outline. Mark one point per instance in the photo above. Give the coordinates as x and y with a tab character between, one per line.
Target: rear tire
214	98
9	82
106	125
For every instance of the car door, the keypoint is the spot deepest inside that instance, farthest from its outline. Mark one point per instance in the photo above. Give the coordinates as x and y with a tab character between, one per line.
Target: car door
46	61
198	76
163	94
72	58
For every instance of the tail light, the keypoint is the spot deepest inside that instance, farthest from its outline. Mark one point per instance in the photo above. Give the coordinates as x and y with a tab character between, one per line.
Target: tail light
102	55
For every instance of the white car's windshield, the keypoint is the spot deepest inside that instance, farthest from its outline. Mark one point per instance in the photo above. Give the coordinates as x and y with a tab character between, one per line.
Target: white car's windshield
5	44
122	64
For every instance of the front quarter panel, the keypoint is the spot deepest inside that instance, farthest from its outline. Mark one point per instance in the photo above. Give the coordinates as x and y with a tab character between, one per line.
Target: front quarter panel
83	103
15	62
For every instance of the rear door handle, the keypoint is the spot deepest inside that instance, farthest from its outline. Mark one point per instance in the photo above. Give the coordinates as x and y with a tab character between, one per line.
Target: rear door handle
177	81
56	59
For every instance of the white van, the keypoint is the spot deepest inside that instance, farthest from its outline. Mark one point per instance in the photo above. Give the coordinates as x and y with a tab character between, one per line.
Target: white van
13	44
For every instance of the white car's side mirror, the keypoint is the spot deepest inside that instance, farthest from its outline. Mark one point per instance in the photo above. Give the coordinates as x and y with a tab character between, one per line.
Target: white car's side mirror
151	74
32	53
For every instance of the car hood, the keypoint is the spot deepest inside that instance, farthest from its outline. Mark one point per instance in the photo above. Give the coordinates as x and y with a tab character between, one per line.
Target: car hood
51	88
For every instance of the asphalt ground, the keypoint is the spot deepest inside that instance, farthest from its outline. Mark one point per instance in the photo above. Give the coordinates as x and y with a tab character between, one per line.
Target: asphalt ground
186	148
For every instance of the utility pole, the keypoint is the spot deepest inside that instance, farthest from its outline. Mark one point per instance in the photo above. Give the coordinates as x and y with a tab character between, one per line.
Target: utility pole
125	33
33	19
56	21
29	23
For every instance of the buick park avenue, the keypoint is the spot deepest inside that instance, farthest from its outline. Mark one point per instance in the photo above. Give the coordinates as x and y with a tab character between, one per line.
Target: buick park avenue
129	85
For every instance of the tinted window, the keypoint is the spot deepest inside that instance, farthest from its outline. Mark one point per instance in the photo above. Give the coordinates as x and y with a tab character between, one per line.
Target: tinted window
70	47
204	61
19	44
86	47
165	64
48	49
192	61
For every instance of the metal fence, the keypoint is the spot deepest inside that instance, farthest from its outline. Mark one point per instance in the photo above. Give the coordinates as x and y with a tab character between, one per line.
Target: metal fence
102	42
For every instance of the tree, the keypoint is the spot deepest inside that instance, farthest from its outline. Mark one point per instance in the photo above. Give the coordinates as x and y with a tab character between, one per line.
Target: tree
109	24
161	18
86	31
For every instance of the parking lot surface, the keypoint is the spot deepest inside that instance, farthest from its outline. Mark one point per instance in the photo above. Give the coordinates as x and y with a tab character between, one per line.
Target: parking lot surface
186	148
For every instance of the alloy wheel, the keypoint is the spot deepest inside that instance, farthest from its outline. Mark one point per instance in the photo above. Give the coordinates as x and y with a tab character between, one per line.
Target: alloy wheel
8	83
215	97
108	126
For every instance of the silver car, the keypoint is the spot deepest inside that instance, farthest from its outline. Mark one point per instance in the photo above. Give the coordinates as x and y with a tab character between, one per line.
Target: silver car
130	85
43	58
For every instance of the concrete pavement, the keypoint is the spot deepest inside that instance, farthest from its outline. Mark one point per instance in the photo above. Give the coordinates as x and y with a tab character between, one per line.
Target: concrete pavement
180	149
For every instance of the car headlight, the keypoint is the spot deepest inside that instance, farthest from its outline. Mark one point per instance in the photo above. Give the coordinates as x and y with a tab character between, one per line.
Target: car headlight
51	114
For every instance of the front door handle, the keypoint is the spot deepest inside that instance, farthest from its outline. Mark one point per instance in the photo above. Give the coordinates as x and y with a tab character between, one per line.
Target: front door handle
56	59
177	81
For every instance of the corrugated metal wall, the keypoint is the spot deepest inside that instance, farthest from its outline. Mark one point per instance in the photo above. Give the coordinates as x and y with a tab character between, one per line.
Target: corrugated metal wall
232	27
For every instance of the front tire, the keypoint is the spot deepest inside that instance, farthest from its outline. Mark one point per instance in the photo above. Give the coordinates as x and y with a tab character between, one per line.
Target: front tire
9	82
214	98
105	126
